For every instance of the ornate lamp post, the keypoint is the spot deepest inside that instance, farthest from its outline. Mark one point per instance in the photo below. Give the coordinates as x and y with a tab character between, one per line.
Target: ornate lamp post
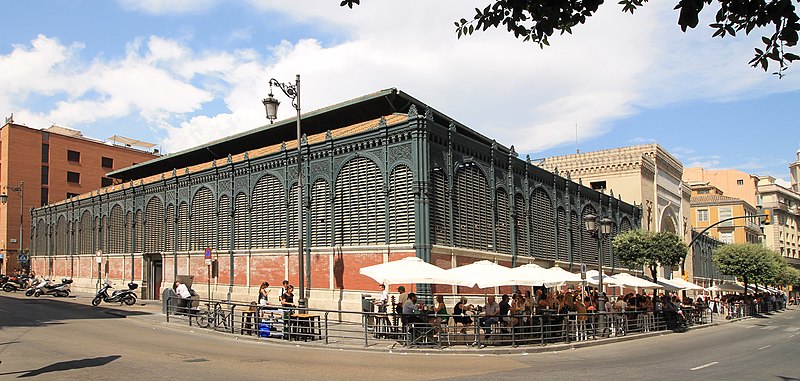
271	105
599	233
4	199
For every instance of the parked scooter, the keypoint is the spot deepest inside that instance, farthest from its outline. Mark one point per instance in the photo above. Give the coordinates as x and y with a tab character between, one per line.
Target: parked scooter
119	296
34	284
15	283
58	290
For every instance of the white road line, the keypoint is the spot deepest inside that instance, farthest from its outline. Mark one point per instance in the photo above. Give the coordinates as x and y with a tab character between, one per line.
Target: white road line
791	329
765	347
705	366
769	327
791	336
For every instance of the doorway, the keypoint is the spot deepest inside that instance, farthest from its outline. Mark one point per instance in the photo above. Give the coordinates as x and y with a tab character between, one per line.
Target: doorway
153	276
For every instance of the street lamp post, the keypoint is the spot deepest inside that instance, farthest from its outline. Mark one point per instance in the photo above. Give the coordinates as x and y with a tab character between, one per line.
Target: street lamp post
271	105
4	199
599	233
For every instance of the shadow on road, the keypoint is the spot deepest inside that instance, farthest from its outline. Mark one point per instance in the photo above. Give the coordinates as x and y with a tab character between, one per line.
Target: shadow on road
66	365
36	312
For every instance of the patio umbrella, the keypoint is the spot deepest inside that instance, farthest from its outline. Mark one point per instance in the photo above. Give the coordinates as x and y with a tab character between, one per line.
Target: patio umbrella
563	276
483	274
535	275
628	280
679	284
407	270
726	286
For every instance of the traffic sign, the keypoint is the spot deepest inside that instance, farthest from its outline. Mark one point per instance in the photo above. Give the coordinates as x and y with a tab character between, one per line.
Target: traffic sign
99	257
208	253
22	258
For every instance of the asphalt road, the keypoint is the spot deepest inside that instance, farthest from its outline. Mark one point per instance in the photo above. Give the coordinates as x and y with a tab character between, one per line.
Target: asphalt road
57	339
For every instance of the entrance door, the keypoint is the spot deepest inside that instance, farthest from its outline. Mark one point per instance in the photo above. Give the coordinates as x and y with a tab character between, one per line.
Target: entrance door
154	276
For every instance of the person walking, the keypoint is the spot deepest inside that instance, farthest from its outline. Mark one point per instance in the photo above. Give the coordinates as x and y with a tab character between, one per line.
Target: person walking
263	294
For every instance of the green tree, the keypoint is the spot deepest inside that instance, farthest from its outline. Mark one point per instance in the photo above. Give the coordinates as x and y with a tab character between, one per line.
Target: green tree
787	276
645	248
750	262
537	20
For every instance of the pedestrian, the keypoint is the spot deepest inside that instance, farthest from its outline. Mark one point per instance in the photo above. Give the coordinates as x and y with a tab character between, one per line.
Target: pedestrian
383	299
287	299
263	294
284	286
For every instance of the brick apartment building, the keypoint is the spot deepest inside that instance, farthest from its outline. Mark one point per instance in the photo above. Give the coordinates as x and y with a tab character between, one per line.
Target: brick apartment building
41	166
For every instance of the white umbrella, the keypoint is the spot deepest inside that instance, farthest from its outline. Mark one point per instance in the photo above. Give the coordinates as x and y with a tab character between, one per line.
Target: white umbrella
628	280
535	275
407	270
593	277
483	274
560	276
680	284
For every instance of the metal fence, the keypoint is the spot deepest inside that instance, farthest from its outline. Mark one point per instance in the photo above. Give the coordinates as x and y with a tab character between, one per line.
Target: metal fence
390	329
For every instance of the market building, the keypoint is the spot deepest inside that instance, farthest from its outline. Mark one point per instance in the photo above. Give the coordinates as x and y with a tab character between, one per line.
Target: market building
384	176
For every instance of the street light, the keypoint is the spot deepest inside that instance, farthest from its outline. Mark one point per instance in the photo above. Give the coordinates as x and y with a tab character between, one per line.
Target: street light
4	199
271	106
598	233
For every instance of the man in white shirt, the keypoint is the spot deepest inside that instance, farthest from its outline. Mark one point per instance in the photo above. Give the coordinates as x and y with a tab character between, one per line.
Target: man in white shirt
185	296
382	300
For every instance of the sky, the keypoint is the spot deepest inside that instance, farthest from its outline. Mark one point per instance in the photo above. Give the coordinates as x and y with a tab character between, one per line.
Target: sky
184	72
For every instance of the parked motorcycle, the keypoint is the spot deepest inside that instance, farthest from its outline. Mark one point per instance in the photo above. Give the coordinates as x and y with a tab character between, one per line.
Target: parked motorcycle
119	296
57	290
15	283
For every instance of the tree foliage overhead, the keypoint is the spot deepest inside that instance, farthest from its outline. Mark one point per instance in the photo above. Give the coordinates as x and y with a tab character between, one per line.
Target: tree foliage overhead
537	20
750	262
649	249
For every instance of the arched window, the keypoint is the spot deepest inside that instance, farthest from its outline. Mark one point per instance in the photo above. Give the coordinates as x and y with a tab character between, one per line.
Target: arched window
154	225
472	210
360	206
203	220
503	222
241	230
401	206
543	225
440	215
269	214
116	231
320	214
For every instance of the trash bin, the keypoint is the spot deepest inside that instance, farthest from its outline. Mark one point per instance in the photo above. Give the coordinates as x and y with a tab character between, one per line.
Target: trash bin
169	301
367	303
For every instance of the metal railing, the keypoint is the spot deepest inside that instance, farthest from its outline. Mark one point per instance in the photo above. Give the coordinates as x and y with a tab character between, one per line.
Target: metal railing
388	328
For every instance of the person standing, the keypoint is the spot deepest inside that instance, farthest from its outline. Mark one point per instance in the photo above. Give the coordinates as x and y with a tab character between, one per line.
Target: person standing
383	299
263	294
287	299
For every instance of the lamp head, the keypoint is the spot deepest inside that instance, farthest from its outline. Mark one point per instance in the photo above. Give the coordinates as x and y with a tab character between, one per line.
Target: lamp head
4	198
590	222
605	226
271	107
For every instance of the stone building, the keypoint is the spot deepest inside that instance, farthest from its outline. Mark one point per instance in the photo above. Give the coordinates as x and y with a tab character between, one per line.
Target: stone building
783	234
646	175
384	177
710	206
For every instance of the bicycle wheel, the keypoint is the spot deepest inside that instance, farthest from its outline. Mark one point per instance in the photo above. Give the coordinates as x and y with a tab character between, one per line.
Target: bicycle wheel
202	319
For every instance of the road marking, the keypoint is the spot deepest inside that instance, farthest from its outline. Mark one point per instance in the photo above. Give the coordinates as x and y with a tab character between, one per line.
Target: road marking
791	329
769	327
705	366
765	347
791	336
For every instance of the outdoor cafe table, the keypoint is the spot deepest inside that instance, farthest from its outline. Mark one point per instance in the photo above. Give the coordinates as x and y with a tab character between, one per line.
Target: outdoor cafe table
305	327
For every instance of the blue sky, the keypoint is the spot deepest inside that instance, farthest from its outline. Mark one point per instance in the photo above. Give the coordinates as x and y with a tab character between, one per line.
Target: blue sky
184	72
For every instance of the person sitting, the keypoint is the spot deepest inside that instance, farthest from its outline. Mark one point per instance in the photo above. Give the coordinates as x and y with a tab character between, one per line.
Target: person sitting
411	310
460	313
492	314
620	305
505	313
440	315
287	299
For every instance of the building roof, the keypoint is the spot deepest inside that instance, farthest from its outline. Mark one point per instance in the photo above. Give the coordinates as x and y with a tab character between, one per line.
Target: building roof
369	107
258	152
716	199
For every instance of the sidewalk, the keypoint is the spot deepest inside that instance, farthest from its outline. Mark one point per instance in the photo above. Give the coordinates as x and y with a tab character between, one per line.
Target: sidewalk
150	311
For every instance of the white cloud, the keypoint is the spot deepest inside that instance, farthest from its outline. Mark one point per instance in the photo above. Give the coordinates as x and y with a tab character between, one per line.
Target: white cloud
160	7
504	88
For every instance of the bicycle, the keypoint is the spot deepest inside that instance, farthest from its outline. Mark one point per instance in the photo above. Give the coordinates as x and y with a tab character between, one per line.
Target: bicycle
213	317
